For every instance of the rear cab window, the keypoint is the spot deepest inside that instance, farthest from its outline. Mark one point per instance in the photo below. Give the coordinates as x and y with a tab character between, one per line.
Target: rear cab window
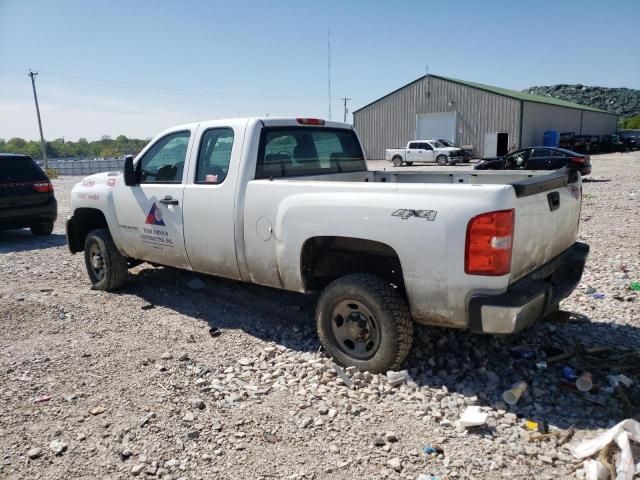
20	169
299	151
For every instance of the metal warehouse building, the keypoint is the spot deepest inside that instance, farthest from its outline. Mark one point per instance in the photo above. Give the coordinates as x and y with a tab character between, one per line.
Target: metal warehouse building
488	118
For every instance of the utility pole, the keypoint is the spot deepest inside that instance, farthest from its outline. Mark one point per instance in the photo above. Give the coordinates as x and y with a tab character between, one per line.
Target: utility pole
64	153
329	68
345	100
35	97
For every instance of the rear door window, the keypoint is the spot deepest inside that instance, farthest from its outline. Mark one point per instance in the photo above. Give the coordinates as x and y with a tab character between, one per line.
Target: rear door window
20	169
298	151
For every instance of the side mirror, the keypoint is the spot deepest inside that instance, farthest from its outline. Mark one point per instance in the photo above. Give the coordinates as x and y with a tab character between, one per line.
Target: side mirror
129	172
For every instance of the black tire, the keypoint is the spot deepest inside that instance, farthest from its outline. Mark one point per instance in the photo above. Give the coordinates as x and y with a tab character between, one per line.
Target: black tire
442	160
106	267
409	163
397	161
389	315
42	228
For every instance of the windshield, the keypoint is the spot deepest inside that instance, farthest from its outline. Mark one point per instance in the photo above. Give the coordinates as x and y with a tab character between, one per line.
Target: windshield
438	145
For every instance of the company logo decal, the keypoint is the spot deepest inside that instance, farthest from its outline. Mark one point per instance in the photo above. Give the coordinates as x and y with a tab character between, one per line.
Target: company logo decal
154	217
405	213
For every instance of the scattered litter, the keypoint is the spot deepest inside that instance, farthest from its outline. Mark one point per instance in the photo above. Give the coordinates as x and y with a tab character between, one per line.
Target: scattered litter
541	365
522	352
472	417
215	331
343	376
635	286
97	410
44	398
590	290
196	284
512	396
620	434
623	268
397	378
584	383
148	306
429	450
425	476
569	374
615	380
594	470
598	296
540	427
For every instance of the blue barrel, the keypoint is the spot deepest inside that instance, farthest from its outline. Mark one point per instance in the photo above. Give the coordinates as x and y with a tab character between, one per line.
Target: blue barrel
551	138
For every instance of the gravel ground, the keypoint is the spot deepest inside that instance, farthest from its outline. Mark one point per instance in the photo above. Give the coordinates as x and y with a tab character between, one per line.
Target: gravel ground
150	393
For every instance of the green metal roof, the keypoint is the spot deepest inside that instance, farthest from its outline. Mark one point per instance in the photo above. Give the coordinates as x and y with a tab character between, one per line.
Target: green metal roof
505	92
527	97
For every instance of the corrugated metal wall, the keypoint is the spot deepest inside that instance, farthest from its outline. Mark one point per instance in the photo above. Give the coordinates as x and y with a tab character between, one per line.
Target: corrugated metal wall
539	117
594	123
391	122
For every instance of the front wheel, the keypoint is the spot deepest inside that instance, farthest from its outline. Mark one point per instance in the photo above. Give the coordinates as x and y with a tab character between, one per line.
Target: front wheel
106	267
397	161
442	160
363	321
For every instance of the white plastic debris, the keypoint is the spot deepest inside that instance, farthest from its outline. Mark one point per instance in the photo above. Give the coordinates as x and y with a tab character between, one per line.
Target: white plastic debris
472	417
397	378
622	433
594	470
615	380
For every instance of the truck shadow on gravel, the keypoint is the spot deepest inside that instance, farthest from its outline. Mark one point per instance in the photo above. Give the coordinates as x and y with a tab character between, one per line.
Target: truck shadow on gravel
24	240
477	367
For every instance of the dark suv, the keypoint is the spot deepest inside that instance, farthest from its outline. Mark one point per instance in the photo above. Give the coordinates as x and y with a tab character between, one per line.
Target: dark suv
26	195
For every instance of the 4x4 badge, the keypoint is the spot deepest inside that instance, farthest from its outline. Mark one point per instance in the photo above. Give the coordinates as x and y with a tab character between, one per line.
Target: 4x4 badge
405	213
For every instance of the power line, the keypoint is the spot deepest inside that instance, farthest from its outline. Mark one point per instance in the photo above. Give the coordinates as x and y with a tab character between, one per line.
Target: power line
35	97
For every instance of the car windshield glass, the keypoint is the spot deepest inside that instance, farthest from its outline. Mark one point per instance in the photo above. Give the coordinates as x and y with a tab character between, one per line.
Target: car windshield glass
437	144
20	170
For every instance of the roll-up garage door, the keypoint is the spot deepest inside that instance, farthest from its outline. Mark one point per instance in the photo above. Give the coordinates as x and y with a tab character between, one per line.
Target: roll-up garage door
436	125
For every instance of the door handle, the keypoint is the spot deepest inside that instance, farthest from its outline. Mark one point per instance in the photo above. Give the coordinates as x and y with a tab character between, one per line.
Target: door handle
554	201
169	200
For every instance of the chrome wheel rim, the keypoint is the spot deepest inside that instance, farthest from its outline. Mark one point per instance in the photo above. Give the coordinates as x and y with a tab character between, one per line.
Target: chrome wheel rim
96	261
355	329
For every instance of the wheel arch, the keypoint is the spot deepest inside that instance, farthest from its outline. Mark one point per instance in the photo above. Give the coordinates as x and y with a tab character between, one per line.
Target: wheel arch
83	221
323	259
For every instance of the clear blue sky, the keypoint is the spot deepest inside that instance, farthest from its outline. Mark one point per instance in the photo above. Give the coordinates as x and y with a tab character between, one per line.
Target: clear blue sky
100	61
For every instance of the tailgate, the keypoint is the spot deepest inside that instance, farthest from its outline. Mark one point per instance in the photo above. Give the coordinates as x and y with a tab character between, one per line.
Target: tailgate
546	222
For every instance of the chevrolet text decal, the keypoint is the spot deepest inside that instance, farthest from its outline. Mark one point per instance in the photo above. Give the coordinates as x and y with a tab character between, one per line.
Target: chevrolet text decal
405	213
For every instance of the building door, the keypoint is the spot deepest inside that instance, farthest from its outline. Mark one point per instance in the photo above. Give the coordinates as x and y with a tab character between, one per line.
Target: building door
503	144
435	126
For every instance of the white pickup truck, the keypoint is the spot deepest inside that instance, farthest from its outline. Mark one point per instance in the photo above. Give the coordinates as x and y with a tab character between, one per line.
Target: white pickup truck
424	151
290	204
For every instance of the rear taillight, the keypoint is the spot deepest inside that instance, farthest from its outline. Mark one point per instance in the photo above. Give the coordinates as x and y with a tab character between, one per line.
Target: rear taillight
579	159
310	121
43	187
489	243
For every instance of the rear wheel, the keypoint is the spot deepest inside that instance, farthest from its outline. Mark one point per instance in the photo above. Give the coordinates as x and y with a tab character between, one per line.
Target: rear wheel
442	160
42	228
397	161
106	267
363	321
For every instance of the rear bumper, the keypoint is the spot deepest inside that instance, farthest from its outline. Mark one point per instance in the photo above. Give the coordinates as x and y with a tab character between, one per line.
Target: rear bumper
24	217
531	298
